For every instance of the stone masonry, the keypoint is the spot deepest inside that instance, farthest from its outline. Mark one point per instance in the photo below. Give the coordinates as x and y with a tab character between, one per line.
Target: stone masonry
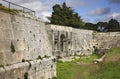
29	47
67	41
25	49
104	41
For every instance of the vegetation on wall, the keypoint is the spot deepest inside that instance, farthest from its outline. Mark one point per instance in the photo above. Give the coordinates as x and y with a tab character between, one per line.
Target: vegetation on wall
1	65
8	10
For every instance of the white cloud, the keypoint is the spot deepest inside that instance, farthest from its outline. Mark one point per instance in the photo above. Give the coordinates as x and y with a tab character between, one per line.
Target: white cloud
42	8
77	3
44	14
111	16
99	11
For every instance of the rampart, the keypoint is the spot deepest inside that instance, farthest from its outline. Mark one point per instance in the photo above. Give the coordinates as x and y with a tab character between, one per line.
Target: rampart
25	49
104	41
29	47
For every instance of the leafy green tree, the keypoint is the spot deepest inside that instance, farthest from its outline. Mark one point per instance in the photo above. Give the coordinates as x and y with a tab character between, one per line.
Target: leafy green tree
113	25
101	26
90	26
64	15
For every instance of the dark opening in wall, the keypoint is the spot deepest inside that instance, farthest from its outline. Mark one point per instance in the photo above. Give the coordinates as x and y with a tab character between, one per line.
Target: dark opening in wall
34	35
62	38
30	31
12	48
26	75
17	39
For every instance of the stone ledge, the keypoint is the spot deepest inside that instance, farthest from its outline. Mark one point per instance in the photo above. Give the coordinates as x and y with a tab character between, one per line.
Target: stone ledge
45	69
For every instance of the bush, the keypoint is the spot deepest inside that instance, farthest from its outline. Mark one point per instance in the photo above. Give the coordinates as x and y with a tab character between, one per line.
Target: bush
2	65
54	78
8	10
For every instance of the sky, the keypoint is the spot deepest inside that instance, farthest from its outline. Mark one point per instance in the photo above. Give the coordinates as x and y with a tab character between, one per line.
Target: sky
90	10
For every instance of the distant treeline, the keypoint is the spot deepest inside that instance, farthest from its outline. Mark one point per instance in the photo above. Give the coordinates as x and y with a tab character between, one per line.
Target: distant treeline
64	15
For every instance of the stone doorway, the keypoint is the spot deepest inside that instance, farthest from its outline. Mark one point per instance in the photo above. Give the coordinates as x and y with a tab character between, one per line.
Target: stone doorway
62	42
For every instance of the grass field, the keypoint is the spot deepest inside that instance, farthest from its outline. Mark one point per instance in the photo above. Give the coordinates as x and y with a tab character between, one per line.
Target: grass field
84	68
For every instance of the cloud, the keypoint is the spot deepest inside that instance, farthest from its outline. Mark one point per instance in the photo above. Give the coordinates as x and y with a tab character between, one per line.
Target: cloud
44	15
86	20
43	8
108	17
114	1
99	11
77	3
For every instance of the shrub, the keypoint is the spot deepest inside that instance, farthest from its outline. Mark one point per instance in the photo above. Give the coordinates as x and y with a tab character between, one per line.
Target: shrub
54	78
8	10
2	65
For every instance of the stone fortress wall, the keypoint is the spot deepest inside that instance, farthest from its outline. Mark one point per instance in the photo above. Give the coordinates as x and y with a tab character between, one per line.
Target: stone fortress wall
67	41
28	47
82	42
104	41
25	49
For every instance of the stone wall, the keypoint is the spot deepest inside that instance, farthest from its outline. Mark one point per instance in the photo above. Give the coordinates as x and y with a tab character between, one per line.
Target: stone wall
28	37
104	41
28	47
61	40
24	37
82	42
36	69
75	41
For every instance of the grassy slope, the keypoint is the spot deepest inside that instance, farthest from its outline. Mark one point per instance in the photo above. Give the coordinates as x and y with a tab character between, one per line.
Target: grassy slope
113	55
110	69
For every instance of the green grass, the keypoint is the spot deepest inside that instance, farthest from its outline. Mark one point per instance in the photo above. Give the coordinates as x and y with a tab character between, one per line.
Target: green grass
86	58
113	55
3	8
110	69
66	70
73	70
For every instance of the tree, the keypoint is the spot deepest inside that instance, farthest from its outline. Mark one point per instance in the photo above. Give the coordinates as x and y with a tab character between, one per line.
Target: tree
64	15
90	26
113	25
101	26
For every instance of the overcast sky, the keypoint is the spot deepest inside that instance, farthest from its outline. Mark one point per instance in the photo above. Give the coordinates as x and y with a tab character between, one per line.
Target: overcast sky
90	10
